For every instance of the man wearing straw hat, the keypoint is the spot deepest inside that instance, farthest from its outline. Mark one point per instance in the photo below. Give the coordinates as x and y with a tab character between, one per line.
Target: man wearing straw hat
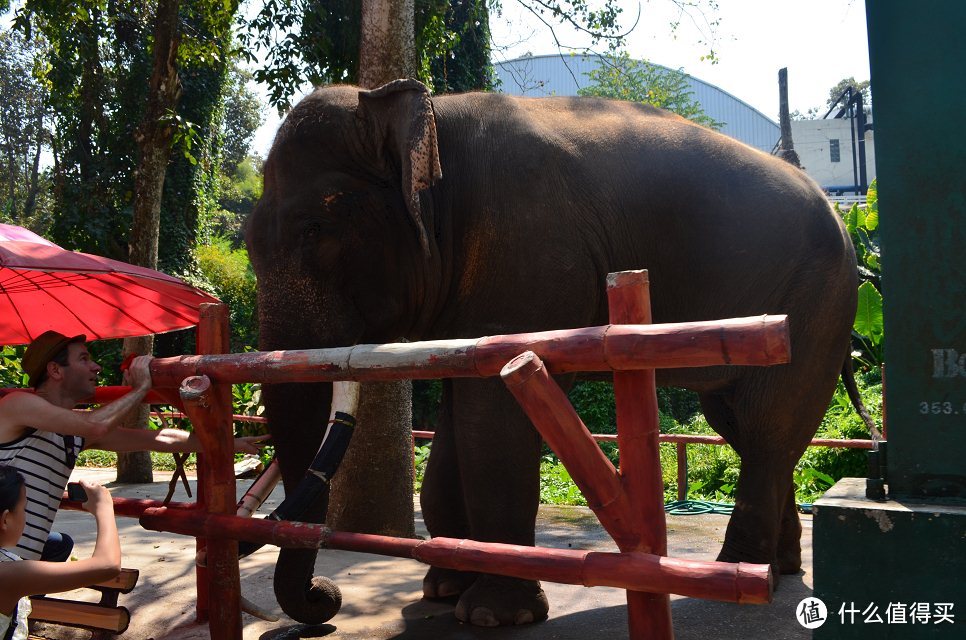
41	435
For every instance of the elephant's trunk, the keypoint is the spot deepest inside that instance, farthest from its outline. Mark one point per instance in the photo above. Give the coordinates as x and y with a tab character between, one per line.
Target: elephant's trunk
296	415
303	596
296	311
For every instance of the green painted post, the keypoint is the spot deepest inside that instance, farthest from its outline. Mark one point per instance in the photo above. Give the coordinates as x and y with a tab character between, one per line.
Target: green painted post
917	55
897	568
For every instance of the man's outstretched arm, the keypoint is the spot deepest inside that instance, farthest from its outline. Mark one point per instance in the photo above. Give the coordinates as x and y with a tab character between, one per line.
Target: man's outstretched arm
19	411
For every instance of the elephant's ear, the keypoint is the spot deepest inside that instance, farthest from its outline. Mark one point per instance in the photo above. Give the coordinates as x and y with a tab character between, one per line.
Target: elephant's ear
401	119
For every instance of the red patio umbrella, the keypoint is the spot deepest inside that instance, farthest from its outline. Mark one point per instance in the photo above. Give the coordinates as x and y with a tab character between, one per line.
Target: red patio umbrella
43	286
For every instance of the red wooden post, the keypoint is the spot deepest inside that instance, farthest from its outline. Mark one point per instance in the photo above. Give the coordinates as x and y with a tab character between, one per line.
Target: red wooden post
648	614
209	409
551	413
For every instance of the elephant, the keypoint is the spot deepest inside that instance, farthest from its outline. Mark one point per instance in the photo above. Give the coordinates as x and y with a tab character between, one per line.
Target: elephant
391	213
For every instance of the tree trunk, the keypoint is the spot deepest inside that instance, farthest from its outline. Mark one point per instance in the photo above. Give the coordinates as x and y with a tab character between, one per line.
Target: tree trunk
153	137
34	184
12	176
373	490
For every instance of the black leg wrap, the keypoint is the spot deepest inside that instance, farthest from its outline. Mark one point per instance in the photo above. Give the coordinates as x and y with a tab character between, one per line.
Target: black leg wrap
316	480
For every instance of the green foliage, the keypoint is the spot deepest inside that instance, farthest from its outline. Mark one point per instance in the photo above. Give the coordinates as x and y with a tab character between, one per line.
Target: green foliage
427	395
713	469
862	224
869	321
239	189
11	374
97	75
862	87
306	42
302	42
453	44
311	42
820	467
232	280
421	457
108	460
556	485
95	50
623	78
242	117
23	132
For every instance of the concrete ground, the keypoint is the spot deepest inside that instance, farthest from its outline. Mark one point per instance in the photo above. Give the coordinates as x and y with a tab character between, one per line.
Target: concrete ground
382	595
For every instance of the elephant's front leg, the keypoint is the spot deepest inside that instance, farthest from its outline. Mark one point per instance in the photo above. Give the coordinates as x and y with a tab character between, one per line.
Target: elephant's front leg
485	485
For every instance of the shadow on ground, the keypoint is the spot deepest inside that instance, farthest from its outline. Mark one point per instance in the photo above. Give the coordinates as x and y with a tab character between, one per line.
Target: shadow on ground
382	596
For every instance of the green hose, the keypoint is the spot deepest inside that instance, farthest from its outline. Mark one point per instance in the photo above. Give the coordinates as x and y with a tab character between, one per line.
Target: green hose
700	507
697	507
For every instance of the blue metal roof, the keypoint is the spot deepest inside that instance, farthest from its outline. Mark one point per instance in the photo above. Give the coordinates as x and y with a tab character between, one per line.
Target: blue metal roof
562	75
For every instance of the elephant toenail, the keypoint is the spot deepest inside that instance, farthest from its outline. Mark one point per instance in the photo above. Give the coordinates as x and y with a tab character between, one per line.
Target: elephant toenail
483	617
523	617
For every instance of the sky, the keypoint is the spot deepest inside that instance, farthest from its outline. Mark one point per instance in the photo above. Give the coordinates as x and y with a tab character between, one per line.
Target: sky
819	41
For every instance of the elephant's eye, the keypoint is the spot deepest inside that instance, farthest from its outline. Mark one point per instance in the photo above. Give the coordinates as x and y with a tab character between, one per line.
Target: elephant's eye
330	200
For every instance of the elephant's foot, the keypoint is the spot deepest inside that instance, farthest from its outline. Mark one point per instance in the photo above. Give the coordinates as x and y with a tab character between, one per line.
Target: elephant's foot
446	583
789	560
789	553
730	555
785	562
495	601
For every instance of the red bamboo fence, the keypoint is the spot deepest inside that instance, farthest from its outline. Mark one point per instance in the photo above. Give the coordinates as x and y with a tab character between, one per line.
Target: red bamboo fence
629	502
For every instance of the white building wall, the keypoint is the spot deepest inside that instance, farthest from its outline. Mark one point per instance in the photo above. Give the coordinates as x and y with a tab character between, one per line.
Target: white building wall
813	143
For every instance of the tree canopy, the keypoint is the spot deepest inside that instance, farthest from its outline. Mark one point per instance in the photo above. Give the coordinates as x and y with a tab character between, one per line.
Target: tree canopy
623	78
845	83
23	132
310	41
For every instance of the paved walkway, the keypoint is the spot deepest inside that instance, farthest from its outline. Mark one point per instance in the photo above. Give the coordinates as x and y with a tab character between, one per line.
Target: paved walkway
382	596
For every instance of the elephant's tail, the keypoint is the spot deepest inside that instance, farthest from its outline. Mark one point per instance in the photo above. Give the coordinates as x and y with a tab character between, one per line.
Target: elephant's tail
848	379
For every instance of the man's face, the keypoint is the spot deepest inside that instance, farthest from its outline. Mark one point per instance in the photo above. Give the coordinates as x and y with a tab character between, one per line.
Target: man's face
80	374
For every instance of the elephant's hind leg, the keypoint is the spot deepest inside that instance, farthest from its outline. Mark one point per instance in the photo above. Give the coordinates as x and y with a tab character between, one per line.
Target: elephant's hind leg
764	527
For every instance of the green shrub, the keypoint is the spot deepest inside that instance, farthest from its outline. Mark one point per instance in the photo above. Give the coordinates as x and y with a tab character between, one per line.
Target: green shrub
421	457
427	395
108	459
230	275
11	375
556	485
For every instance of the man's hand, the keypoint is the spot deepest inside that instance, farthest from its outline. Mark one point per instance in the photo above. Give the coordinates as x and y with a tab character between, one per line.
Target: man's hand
138	374
250	444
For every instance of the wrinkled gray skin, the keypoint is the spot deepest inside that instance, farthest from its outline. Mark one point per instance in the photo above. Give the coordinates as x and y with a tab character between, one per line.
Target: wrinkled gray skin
539	199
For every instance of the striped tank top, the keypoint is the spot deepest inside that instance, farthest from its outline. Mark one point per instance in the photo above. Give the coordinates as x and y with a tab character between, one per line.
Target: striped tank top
45	459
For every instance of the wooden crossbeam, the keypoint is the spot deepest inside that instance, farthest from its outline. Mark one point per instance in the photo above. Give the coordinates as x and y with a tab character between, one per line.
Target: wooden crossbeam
88	615
96	616
123	582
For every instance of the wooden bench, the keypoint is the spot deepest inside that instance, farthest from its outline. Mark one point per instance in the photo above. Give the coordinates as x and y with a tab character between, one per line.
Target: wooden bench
105	618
